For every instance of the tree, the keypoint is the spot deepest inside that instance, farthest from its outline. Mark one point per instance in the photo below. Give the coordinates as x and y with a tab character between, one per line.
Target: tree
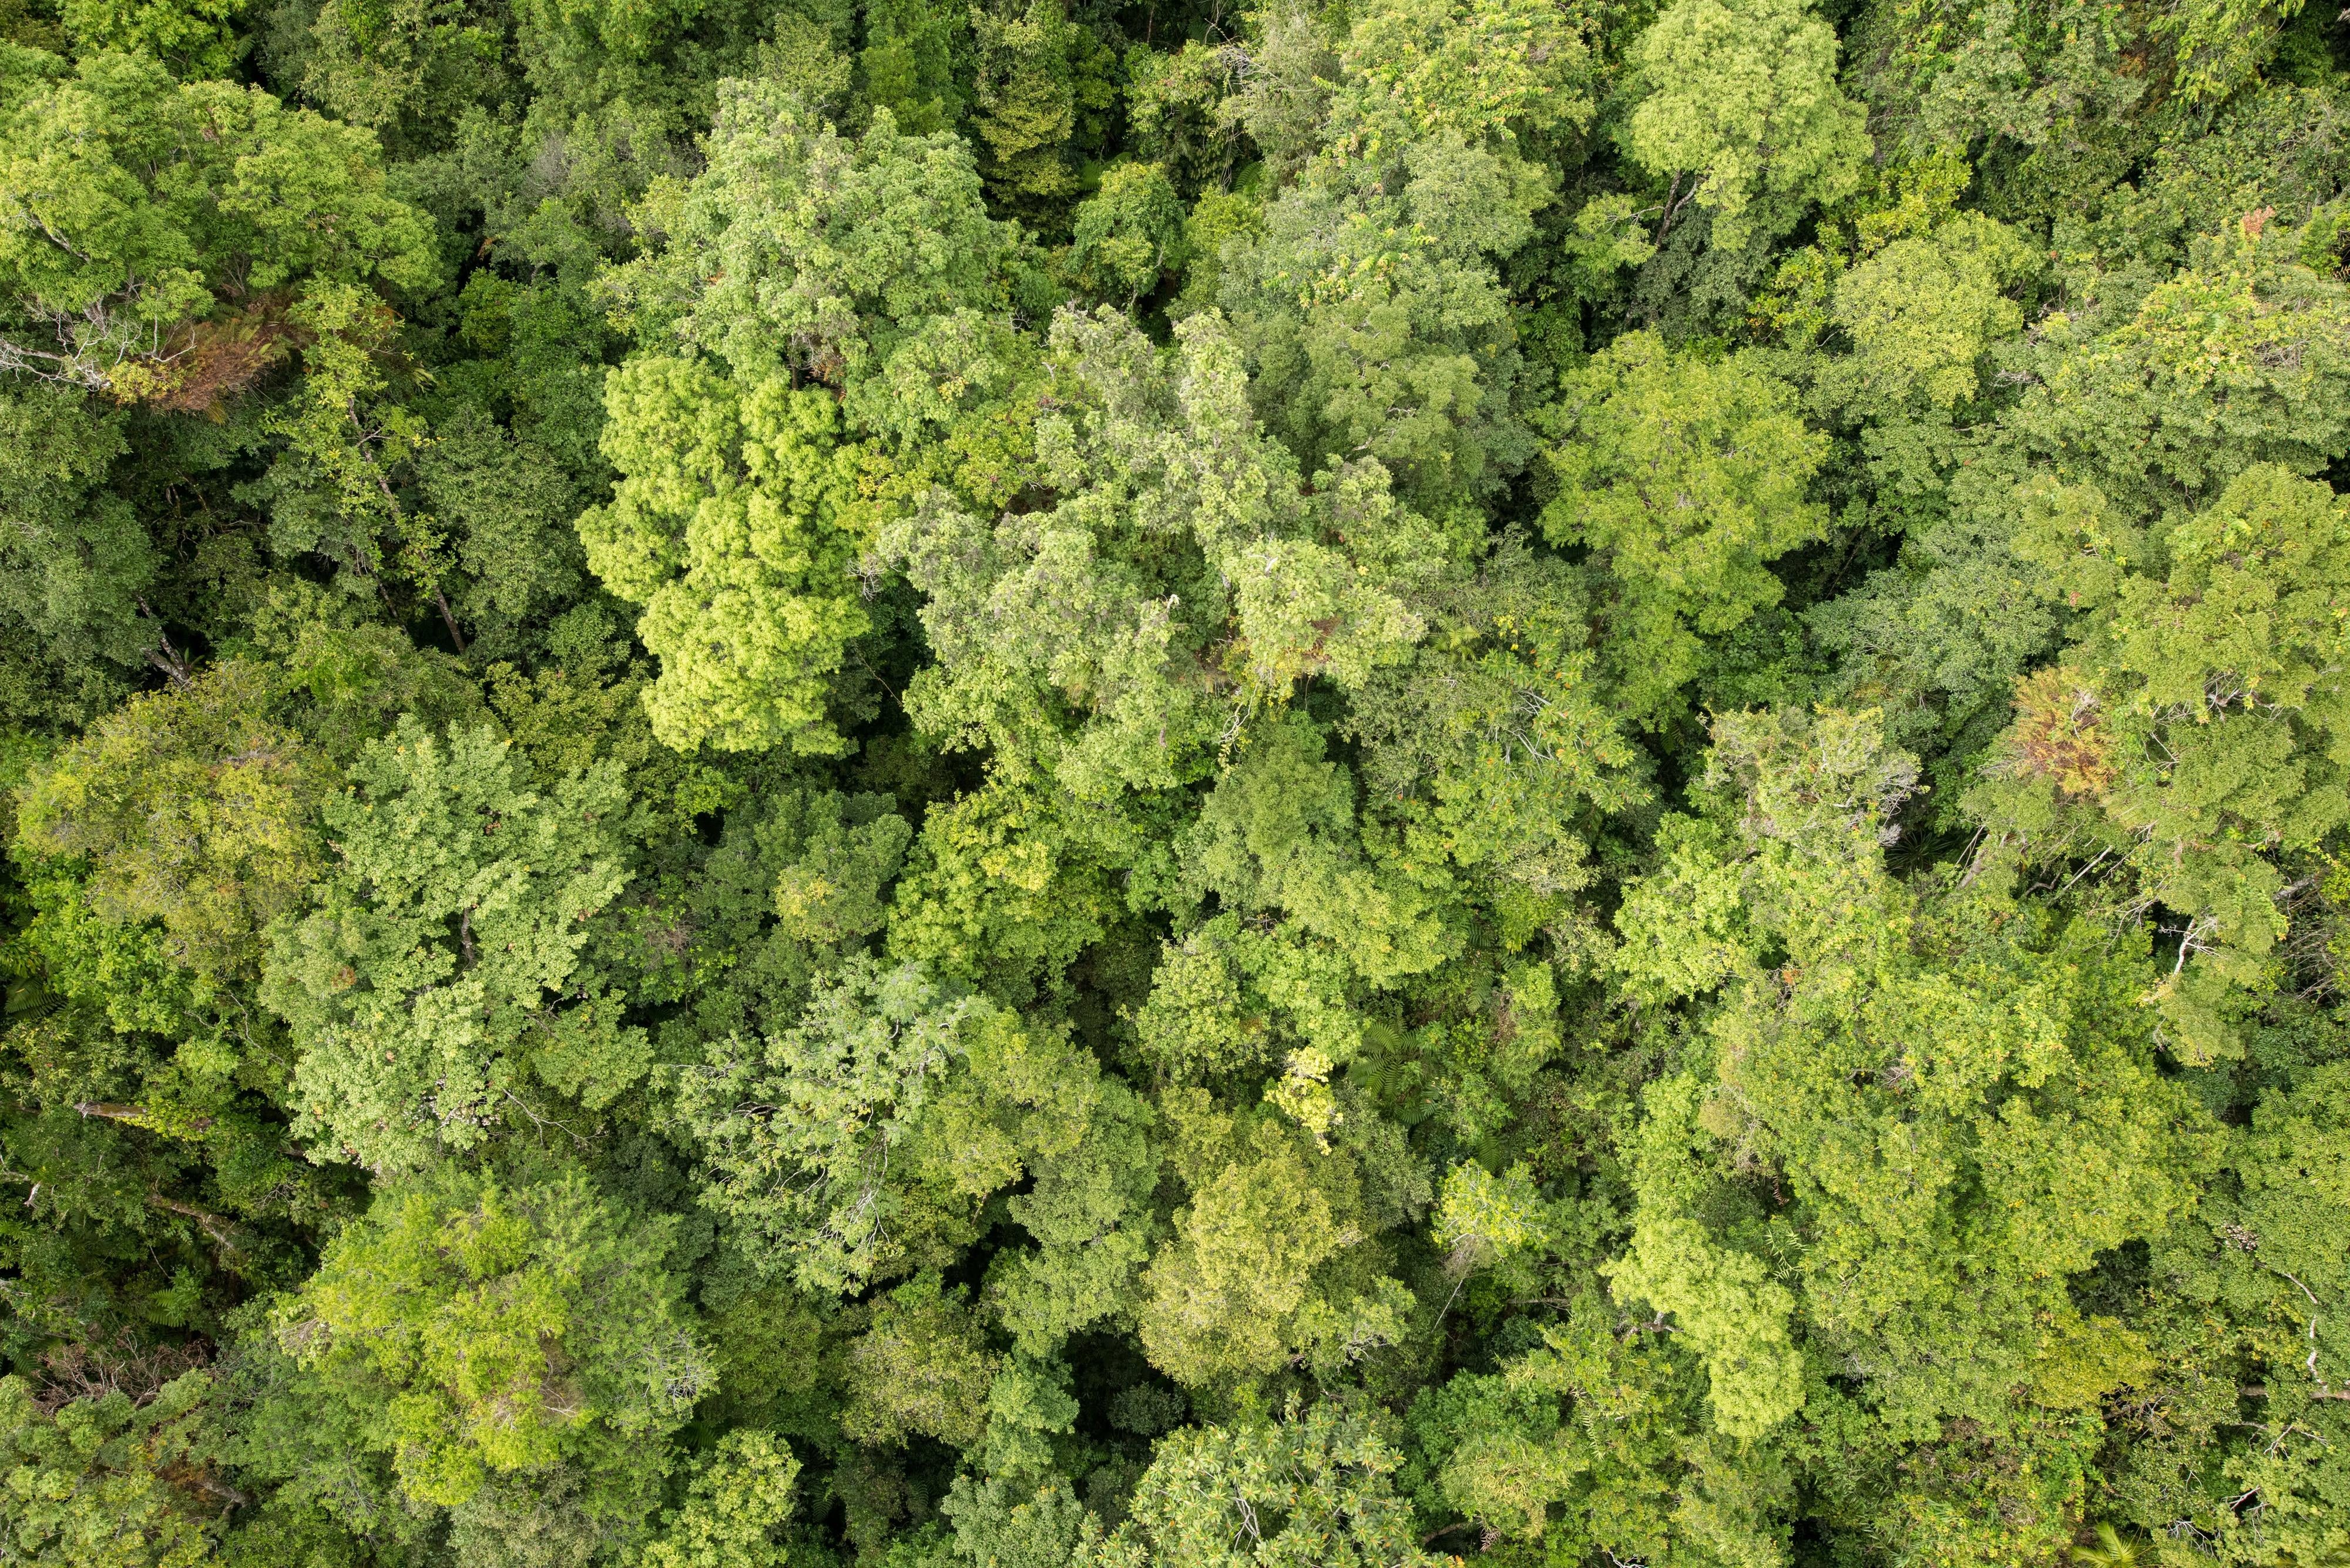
923	1367
159	203
798	249
195	808
1268	1264
740	1497
1037	80
1181	574
2232	361
1280	835
1224	1295
2248	1268
75	565
1500	72
1182	114
736	526
1127	236
908	63
399	69
446	956
1369	305
2189	730
1485	1222
508	506
111	1481
1734	1313
860	1145
484	1329
1743	106
1924	310
1312	1490
1597	1440
797	255
1686	478
803	1135
1004	1525
1493	746
1964	1115
195	38
1408	350
1006	887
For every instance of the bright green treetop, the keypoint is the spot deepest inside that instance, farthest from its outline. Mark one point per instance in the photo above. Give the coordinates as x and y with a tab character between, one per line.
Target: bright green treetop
158	201
443	966
1686	478
1743	107
482	1329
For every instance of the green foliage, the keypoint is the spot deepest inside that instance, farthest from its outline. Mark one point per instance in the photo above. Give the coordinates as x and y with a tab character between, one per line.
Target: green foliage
1279	834
346	441
1310	1492
1735	1315
801	1132
1742	103
1224	1296
1924	311
997	1526
2230	362
1685	479
192	808
862	1142
734	526
1480	69
1269	1262
1049	786
923	1367
508	507
1488	1221
1370	306
1181	577
195	38
908	63
446	957
1003	887
1919	1074
1127	236
797	247
478	1330
1181	113
740	1497
105	1481
391	68
2190	727
2220	47
1498	739
796	254
1038	81
160	201
76	562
